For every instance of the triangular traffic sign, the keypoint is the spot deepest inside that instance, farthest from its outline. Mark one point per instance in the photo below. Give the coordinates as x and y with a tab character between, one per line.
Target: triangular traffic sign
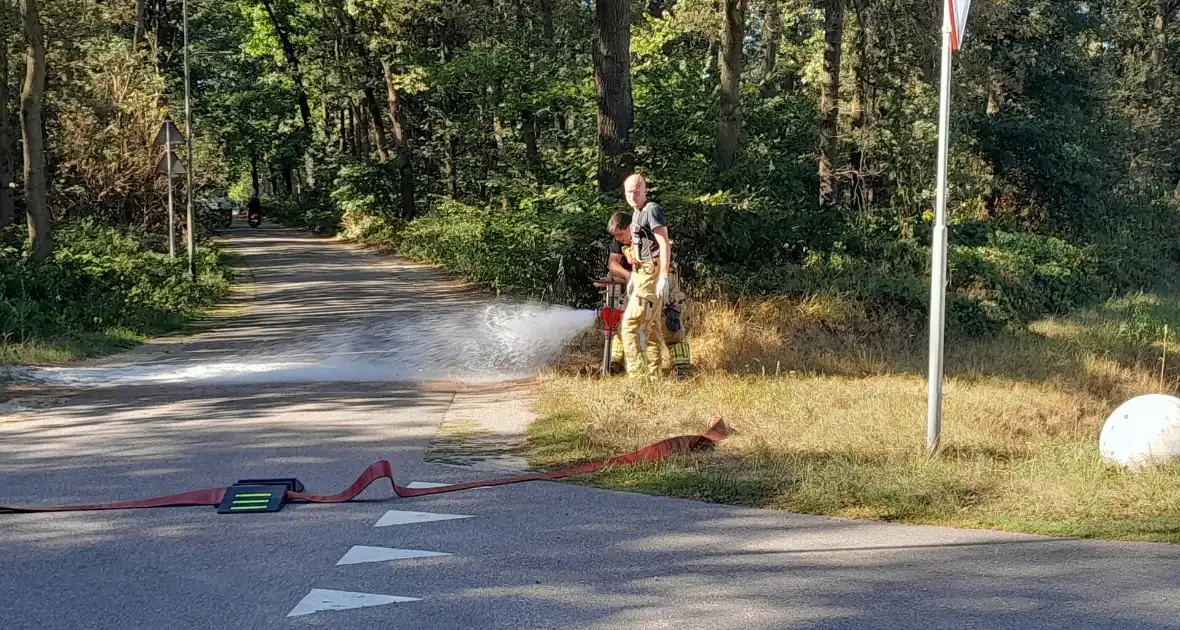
177	164
958	9
320	599
168	128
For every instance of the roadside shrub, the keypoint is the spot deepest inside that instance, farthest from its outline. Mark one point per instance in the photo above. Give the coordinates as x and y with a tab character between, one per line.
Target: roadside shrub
549	246
311	214
366	188
1008	280
101	278
1018	277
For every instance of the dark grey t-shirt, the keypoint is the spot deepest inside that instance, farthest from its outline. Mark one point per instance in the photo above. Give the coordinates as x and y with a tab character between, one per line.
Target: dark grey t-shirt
643	225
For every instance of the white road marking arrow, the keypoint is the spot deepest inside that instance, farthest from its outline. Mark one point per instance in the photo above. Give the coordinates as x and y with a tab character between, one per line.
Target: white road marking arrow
360	554
400	517
320	599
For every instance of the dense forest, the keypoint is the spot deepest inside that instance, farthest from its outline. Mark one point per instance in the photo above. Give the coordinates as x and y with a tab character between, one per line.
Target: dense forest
792	143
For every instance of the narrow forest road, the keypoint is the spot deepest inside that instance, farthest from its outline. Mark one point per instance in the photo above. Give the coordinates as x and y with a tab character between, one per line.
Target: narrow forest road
317	380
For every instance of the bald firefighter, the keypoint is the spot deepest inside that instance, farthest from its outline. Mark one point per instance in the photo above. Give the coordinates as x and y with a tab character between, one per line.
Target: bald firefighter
652	324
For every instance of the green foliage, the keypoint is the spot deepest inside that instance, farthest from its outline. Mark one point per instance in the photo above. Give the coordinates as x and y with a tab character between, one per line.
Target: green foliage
1017	277
997	279
315	215
366	194
102	278
548	247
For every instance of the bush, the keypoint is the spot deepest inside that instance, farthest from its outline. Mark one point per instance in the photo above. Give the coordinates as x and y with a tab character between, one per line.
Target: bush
318	216
102	278
367	188
551	246
1006	279
1018	277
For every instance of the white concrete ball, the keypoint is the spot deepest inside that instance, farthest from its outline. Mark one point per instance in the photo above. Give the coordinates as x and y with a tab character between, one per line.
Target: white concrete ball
1141	432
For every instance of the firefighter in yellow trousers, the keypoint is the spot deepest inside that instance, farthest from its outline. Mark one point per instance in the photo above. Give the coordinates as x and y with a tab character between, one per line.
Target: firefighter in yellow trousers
619	265
652	323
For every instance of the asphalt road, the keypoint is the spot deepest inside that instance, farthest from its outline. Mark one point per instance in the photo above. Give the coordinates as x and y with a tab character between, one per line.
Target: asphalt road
532	555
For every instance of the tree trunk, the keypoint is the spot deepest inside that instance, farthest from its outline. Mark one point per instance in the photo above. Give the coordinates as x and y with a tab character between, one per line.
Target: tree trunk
36	183
362	113
495	91
495	98
289	53
860	190
452	39
7	208
772	32
612	80
449	165
994	94
532	153
1159	44
329	124
729	125
547	22
559	132
714	58
354	119
829	103
326	111
378	126
401	146
288	179
140	27
254	174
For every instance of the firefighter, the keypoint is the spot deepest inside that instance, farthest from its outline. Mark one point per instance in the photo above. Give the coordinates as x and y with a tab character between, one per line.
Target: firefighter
652	324
620	267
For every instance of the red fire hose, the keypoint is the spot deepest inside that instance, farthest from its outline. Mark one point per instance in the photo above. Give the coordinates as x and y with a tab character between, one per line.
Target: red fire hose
382	470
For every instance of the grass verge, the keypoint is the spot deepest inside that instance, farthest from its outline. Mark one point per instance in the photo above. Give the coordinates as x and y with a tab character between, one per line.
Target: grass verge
828	411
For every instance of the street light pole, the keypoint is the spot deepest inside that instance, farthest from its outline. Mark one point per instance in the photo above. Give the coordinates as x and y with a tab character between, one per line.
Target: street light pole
188	132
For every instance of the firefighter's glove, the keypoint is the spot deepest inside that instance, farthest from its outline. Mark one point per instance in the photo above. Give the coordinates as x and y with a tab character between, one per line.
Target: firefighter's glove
662	289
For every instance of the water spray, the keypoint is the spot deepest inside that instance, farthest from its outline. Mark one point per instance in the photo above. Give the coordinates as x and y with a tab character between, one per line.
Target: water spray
483	343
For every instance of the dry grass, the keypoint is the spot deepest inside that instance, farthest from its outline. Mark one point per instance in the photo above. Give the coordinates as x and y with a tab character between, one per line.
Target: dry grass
829	418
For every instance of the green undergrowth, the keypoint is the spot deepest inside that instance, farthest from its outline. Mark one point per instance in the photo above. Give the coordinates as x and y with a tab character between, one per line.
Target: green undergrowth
104	289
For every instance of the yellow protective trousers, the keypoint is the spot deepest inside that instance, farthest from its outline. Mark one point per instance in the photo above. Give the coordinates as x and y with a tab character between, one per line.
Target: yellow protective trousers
642	328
